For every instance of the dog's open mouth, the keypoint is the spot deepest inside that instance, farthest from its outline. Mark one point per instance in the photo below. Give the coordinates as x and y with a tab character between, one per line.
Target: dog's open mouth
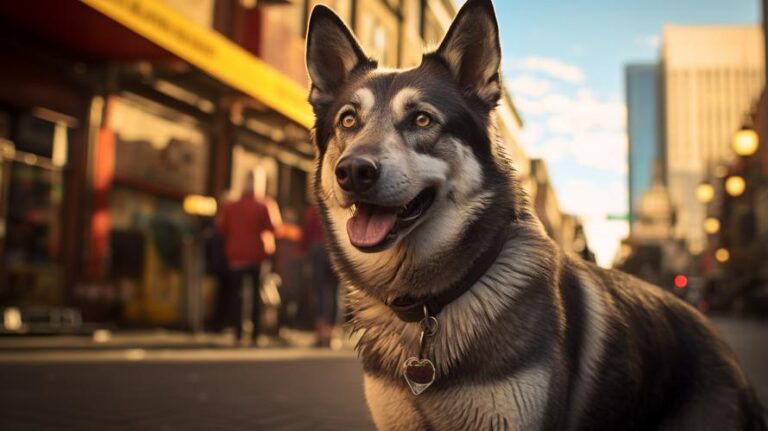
373	228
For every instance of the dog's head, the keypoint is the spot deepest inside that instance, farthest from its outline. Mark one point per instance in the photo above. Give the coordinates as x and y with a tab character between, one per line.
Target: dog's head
406	161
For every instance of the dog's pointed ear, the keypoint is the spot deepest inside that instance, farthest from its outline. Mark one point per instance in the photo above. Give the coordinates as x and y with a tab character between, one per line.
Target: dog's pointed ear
472	50
332	53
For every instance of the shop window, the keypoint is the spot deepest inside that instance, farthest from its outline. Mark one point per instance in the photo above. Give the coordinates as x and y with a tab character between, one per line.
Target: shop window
40	137
157	148
32	191
377	30
160	156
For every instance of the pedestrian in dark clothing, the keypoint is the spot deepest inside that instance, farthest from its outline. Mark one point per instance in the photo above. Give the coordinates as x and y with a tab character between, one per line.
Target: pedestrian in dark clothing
323	280
218	267
245	225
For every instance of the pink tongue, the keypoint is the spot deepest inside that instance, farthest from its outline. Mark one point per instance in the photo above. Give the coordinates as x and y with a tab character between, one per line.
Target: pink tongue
370	225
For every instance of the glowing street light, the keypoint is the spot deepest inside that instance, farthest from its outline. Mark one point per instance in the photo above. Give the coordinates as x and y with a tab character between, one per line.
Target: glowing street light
722	255
735	185
711	225
705	193
745	142
200	205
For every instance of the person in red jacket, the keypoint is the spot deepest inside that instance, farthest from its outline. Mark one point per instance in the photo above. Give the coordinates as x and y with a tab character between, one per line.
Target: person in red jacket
245	226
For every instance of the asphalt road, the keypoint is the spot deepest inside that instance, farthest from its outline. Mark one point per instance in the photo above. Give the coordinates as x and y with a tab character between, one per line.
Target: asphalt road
184	391
225	389
749	341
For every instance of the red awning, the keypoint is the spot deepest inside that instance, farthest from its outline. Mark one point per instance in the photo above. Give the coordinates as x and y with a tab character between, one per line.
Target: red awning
77	28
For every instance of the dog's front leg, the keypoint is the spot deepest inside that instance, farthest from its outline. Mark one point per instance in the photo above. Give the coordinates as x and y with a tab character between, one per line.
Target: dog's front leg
391	406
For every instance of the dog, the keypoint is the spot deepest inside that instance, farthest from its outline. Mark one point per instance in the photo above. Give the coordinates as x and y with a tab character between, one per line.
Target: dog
469	317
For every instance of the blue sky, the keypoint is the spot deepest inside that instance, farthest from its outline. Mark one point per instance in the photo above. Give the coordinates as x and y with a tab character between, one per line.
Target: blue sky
563	61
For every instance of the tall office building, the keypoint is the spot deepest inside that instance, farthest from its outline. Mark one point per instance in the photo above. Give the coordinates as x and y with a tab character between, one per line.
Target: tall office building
642	93
711	75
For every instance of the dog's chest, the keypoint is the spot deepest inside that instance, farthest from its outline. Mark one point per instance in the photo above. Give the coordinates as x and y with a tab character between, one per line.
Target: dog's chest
515	403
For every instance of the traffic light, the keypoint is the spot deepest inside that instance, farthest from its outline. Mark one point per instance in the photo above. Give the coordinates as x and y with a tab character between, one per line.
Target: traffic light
681	281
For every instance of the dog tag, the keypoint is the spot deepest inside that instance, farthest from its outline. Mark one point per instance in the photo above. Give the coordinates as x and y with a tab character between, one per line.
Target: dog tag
419	374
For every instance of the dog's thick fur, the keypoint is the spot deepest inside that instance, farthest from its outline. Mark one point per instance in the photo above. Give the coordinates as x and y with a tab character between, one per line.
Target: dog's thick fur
542	340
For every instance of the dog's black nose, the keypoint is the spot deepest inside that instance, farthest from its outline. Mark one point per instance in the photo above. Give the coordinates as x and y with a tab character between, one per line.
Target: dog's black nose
356	174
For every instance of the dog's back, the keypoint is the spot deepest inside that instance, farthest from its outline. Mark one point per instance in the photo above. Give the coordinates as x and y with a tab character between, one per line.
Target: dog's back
662	365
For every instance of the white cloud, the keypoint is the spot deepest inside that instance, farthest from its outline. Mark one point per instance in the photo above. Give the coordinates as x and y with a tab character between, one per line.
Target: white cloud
553	67
529	85
566	124
589	130
531	134
648	41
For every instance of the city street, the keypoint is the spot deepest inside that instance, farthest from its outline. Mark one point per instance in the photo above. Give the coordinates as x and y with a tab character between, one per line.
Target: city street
222	389
184	390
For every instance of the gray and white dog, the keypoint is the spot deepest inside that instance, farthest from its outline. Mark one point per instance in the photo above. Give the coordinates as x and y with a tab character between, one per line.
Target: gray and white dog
469	316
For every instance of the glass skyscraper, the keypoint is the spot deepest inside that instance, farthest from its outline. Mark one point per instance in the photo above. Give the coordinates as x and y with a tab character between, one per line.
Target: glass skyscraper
642	86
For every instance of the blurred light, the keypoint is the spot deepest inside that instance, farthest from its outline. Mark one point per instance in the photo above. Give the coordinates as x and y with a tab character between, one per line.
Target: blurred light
745	142
135	354
30	159
711	225
200	205
101	335
60	144
735	185
705	192
720	171
722	255
681	281
12	319
695	248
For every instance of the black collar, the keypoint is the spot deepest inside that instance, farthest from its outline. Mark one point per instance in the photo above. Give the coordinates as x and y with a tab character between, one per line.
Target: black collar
410	309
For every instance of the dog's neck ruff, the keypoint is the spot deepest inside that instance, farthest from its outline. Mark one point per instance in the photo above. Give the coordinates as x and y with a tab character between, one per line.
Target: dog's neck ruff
410	309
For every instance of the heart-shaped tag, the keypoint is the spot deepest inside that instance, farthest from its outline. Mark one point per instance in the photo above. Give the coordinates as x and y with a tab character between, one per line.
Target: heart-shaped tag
419	374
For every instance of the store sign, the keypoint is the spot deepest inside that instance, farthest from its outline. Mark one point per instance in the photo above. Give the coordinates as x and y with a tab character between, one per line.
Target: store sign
211	52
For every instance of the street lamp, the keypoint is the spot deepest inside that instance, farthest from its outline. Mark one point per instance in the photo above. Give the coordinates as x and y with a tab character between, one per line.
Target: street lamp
705	192
735	185
722	255
711	225
745	141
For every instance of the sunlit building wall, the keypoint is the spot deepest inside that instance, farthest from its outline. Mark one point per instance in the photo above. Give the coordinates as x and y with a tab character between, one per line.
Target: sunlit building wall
711	75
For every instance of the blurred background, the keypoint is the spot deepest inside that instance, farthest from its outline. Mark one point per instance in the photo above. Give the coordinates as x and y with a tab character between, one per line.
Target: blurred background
639	130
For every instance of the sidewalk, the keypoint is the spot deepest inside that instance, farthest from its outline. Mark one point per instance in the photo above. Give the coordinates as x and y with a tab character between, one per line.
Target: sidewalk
103	339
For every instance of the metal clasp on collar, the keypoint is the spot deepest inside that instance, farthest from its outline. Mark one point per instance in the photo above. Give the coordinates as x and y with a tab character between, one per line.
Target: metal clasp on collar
419	372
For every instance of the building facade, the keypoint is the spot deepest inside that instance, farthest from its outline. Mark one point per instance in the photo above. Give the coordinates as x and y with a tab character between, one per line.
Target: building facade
710	76
112	114
642	91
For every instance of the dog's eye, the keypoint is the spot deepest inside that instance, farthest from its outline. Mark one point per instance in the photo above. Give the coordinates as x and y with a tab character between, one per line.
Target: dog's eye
423	119
348	120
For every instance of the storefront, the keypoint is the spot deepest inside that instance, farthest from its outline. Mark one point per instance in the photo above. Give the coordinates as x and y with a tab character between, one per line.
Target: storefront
43	117
93	189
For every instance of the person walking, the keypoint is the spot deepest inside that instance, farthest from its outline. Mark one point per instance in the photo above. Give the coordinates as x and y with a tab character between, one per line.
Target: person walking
245	226
323	280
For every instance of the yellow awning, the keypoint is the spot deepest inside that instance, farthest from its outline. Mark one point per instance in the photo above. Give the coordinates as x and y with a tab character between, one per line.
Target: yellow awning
211	52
